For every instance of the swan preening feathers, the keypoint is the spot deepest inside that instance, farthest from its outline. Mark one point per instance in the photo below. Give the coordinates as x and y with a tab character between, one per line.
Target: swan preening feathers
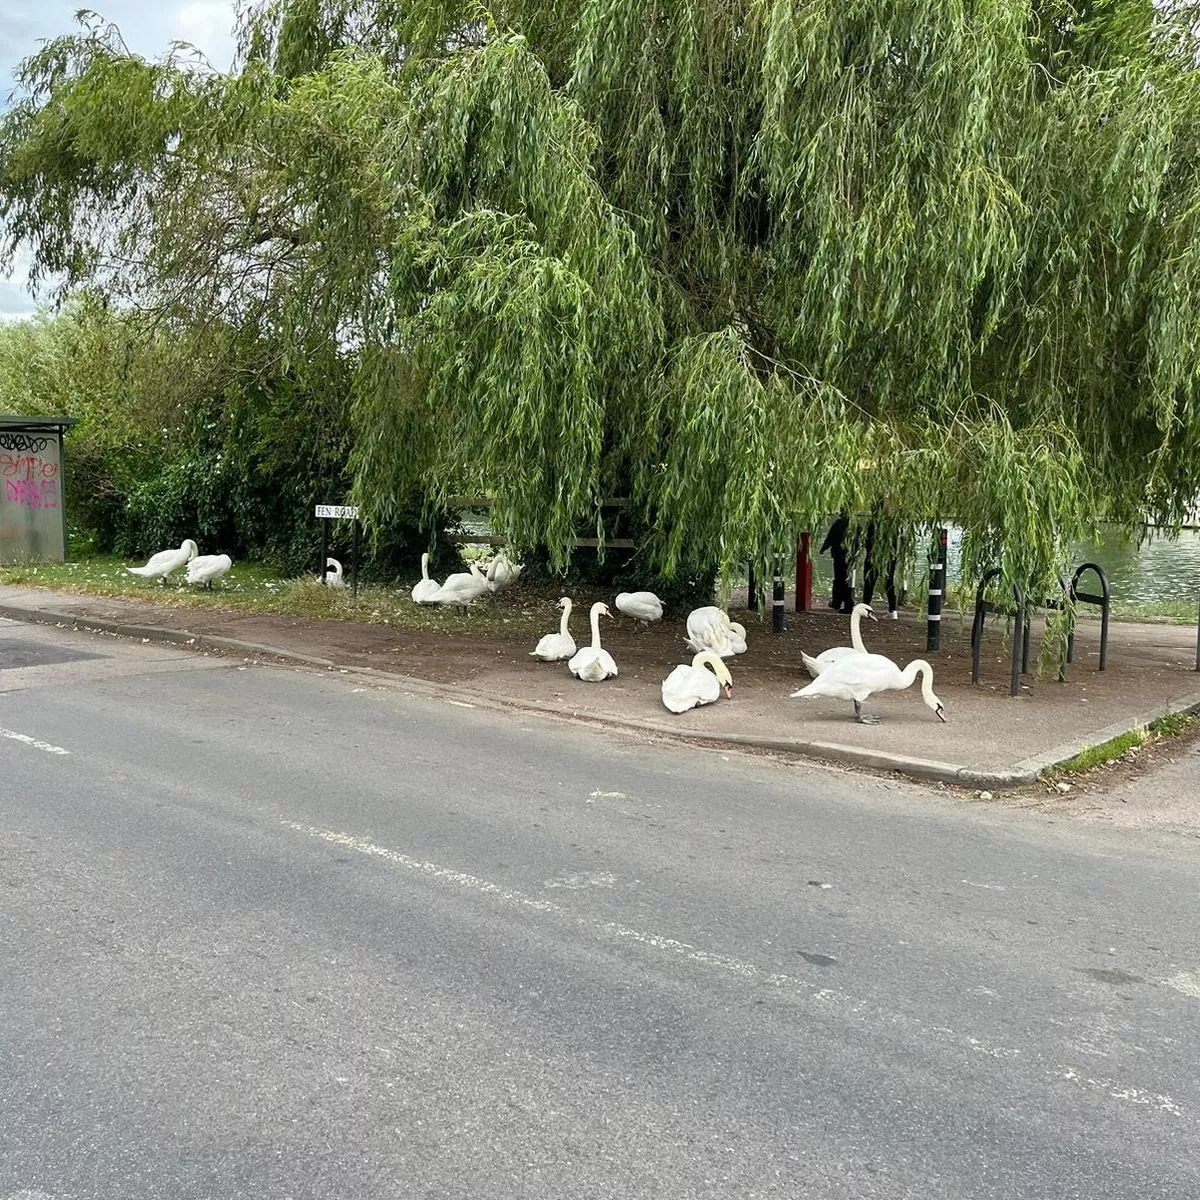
333	574
709	628
690	686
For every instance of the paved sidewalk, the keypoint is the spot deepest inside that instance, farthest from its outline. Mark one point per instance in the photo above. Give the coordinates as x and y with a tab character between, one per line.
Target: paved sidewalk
992	740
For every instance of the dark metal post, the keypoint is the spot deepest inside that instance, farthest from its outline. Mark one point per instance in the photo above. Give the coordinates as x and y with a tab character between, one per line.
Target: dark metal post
777	599
354	557
1018	637
1027	624
751	589
937	589
324	548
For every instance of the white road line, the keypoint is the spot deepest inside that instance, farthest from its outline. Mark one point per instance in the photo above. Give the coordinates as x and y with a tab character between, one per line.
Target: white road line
826	997
612	929
13	735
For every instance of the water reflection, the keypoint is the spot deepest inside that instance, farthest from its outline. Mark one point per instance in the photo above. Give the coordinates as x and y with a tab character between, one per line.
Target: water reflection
1160	570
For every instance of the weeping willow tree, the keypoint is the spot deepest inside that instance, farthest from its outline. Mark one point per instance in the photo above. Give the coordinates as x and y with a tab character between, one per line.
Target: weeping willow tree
747	262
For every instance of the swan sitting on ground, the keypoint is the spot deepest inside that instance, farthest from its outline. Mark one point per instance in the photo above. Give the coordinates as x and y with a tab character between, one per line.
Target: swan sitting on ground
593	663
857	676
556	646
709	628
333	574
501	572
687	687
426	589
207	568
463	587
166	561
815	666
642	606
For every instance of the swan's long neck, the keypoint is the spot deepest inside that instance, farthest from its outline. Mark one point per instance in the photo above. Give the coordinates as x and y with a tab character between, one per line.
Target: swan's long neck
856	632
919	666
595	628
562	625
425	566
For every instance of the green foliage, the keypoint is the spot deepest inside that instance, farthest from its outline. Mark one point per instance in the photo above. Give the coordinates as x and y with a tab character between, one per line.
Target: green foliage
747	263
1106	752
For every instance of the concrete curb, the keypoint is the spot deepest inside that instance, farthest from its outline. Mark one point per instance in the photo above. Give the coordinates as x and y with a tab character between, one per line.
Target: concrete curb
1068	750
1020	774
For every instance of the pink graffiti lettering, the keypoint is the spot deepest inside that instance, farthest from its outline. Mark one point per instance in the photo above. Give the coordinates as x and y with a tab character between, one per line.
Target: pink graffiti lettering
29	494
27	466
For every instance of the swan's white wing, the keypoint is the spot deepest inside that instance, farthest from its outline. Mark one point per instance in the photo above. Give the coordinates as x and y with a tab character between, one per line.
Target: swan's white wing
426	591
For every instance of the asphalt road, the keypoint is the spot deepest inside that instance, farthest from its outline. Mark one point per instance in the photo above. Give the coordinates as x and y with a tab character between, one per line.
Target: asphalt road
280	934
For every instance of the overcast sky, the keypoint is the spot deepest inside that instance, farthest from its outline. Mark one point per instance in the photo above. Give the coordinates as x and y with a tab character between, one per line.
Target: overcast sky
148	26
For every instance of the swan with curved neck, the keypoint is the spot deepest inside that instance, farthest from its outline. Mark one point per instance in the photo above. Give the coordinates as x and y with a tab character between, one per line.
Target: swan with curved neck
556	646
593	663
690	686
426	589
815	666
333	574
857	676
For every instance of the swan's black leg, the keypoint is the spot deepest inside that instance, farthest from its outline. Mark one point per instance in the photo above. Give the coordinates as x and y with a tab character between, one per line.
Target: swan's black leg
861	717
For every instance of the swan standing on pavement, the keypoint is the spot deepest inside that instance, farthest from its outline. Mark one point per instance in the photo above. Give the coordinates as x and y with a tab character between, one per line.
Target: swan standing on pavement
816	665
166	561
593	663
208	568
857	676
463	587
687	687
642	606
426	589
556	646
333	574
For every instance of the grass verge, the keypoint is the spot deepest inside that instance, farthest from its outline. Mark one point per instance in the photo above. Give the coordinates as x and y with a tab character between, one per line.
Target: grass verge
254	588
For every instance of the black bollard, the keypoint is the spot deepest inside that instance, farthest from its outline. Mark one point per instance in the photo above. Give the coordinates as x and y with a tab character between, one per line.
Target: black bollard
937	589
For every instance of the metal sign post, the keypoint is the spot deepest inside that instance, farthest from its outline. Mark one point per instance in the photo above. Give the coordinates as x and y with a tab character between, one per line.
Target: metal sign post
339	512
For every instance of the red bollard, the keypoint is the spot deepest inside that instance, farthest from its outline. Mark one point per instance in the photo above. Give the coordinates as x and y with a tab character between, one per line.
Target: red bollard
804	573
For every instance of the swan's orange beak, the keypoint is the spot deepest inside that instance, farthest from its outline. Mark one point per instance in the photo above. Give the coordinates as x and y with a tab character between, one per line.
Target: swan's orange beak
728	687
871	615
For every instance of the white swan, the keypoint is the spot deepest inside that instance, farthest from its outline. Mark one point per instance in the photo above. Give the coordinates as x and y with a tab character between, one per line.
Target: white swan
462	588
709	628
642	606
501	572
556	646
166	561
333	574
815	666
426	589
207	568
593	663
857	676
686	687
